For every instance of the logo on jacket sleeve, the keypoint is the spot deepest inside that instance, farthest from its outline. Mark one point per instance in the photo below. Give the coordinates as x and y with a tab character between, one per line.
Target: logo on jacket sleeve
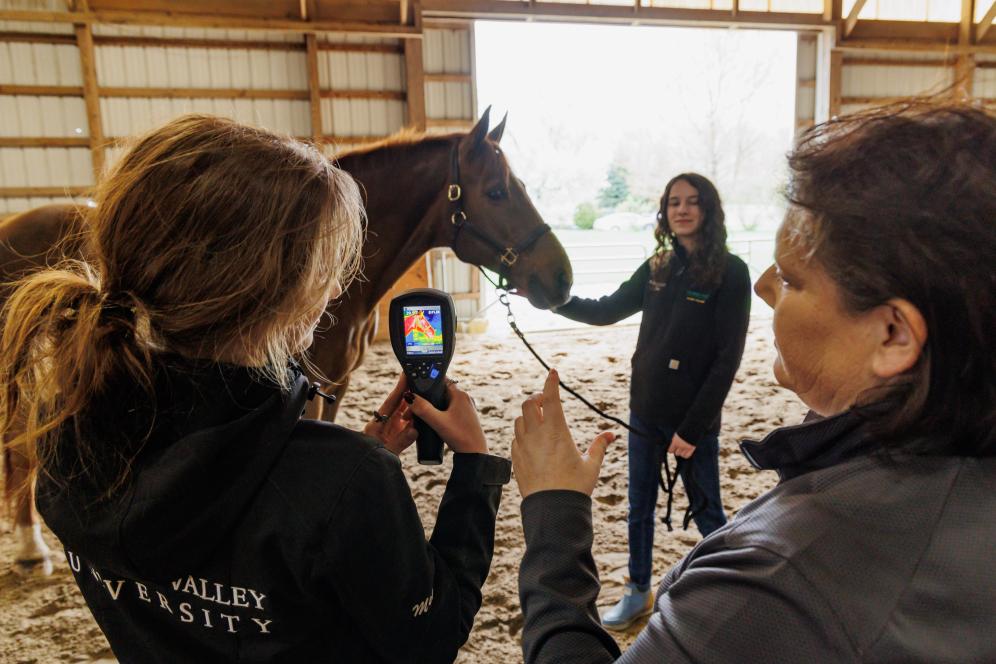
422	607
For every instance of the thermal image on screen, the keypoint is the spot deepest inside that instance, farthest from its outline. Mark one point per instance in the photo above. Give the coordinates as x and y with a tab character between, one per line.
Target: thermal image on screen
423	330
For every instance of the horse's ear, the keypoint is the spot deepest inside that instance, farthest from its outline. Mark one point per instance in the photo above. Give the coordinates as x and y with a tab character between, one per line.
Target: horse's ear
480	130
496	133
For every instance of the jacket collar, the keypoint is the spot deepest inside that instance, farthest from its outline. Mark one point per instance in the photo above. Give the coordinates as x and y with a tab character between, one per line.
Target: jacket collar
815	444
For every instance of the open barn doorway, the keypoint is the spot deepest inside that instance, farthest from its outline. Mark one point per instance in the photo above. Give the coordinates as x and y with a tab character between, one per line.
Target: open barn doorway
601	117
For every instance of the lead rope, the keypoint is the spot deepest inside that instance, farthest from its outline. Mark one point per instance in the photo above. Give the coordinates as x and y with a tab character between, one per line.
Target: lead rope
665	478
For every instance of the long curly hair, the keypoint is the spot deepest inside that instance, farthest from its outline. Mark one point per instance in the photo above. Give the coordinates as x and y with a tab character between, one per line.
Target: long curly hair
708	262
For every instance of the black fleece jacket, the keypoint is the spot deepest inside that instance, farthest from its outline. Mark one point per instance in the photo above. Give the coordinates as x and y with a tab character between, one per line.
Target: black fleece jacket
690	342
248	534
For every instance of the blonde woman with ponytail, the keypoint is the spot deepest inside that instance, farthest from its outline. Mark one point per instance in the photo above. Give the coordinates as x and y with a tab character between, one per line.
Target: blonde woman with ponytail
155	382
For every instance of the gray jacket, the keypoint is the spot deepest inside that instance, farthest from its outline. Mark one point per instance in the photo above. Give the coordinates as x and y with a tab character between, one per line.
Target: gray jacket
851	558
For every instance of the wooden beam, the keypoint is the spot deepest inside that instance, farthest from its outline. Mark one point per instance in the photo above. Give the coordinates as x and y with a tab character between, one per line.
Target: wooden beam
336	138
852	18
986	22
403	7
314	87
836	67
964	74
179	42
202	93
44	142
415	85
363	94
42	90
874	99
434	10
36	38
899	62
361	48
229	22
942	47
28	192
448	78
84	40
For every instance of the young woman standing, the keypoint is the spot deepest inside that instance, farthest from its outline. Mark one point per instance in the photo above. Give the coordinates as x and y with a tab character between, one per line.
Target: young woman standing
695	299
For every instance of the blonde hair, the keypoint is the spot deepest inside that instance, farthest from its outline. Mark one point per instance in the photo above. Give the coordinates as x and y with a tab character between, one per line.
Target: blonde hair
209	239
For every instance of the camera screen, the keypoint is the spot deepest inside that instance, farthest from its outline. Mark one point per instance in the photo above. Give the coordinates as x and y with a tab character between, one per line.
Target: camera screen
423	330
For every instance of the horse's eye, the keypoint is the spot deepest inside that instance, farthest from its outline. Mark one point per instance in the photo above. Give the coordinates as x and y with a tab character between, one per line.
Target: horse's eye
497	194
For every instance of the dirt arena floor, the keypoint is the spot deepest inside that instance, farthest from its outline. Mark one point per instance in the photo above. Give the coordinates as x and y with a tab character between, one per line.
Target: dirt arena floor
44	619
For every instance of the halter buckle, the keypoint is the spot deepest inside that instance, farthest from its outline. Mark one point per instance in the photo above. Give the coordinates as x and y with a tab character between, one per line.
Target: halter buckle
454	192
458	217
509	257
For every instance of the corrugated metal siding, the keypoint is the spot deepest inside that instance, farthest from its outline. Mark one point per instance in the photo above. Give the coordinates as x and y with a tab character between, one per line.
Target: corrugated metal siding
128	116
22	63
45	167
30	26
38	5
893	80
984	85
43	116
448	52
153	66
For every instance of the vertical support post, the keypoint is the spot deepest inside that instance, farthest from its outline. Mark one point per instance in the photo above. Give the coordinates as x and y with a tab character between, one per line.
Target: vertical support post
314	87
836	71
964	73
415	85
91	97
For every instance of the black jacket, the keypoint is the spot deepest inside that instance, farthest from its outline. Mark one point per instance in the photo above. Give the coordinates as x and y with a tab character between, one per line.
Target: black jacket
248	534
690	342
853	557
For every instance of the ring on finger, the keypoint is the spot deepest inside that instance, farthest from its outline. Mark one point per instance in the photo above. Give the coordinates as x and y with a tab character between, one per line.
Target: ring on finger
378	417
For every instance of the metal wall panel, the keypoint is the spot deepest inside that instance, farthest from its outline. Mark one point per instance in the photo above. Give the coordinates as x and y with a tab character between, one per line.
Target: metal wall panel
362	117
127	116
37	5
153	66
342	70
45	167
43	116
448	52
34	26
984	84
893	81
23	63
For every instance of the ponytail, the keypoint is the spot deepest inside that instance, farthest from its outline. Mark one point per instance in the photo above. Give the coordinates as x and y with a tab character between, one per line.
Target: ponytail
65	343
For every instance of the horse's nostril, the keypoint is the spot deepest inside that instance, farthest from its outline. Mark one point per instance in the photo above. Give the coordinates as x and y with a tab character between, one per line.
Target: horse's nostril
563	281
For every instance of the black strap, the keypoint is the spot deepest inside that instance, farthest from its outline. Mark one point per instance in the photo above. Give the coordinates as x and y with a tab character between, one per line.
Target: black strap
507	255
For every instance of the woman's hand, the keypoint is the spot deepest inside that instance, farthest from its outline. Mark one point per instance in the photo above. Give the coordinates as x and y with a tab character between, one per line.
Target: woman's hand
680	447
458	425
544	455
392	423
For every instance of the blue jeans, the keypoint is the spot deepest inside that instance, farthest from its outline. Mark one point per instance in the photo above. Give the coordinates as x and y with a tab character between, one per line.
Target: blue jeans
702	470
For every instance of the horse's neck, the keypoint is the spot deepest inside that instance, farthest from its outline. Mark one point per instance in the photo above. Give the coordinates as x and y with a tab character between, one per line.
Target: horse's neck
403	189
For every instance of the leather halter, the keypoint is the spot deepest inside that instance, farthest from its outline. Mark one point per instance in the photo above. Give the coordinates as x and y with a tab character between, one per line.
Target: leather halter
507	255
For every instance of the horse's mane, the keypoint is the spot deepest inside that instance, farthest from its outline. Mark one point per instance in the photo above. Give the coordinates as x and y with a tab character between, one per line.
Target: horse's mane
404	138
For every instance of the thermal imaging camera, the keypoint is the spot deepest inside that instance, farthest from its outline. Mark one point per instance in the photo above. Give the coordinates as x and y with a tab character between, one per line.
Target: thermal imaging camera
423	323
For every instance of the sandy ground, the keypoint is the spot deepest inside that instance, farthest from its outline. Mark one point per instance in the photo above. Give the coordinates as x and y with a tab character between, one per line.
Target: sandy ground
44	619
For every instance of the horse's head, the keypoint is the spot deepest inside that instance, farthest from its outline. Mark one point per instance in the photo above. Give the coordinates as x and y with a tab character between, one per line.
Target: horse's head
496	225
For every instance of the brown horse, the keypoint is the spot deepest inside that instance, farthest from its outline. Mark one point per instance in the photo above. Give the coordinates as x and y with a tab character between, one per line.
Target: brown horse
421	192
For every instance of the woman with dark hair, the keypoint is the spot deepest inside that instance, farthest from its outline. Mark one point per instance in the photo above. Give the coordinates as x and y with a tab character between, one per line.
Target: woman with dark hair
877	542
154	380
695	299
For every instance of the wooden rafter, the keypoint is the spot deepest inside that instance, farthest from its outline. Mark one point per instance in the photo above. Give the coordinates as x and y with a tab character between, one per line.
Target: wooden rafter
852	17
986	23
314	87
414	85
44	142
209	21
28	192
91	97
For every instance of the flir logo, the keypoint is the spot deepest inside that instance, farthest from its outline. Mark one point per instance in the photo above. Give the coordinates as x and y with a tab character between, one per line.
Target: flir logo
422	607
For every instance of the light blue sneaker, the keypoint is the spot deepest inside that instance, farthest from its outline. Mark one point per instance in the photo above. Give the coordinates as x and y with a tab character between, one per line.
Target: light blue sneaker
634	605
